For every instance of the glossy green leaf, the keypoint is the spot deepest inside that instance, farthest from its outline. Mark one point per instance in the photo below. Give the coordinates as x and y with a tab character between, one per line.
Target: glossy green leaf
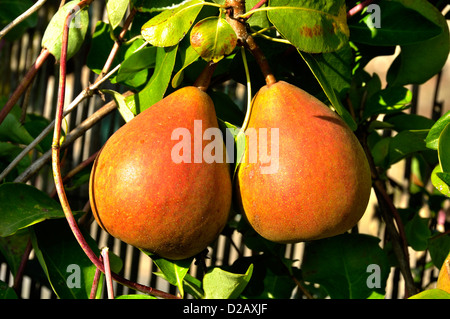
406	143
135	68
213	38
68	269
116	10
432	139
10	10
444	149
52	39
11	130
173	271
221	284
418	62
432	294
417	233
392	99
311	26
407	121
24	205
156	87
343	265
193	286
187	56
330	80
12	249
122	106
170	26
441	180
7	292
439	248
392	24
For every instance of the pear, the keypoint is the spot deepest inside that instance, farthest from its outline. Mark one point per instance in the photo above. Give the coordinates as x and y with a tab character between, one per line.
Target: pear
443	281
315	183
143	194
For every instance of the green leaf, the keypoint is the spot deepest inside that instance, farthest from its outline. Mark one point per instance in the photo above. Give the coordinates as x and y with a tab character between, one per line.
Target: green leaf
13	247
432	139
7	292
156	87
444	149
440	180
193	286
10	10
323	71
221	284
311	26
52	39
342	265
406	121
173	271
122	106
134	69
213	38
24	205
418	62
170	26
116	10
432	294
417	233
187	55
404	144
68	269
398	25
11	130
392	99
439	248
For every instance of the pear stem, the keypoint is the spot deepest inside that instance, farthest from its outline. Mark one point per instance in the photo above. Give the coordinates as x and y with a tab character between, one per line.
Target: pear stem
204	79
236	8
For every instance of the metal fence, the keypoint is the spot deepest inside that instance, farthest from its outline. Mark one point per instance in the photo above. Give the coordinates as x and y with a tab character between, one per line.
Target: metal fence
16	58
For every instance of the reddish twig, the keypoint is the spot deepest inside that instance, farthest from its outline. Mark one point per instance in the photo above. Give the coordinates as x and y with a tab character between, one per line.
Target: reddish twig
117	44
24	84
358	8
109	285
256	6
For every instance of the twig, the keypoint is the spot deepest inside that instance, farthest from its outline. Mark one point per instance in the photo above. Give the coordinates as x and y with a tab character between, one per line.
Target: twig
76	170
256	6
117	44
389	213
236	8
21	270
109	284
95	282
22	17
359	7
26	81
70	138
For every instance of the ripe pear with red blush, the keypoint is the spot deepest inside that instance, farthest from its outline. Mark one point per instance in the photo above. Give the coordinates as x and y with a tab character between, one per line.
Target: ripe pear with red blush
144	196
443	281
313	181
